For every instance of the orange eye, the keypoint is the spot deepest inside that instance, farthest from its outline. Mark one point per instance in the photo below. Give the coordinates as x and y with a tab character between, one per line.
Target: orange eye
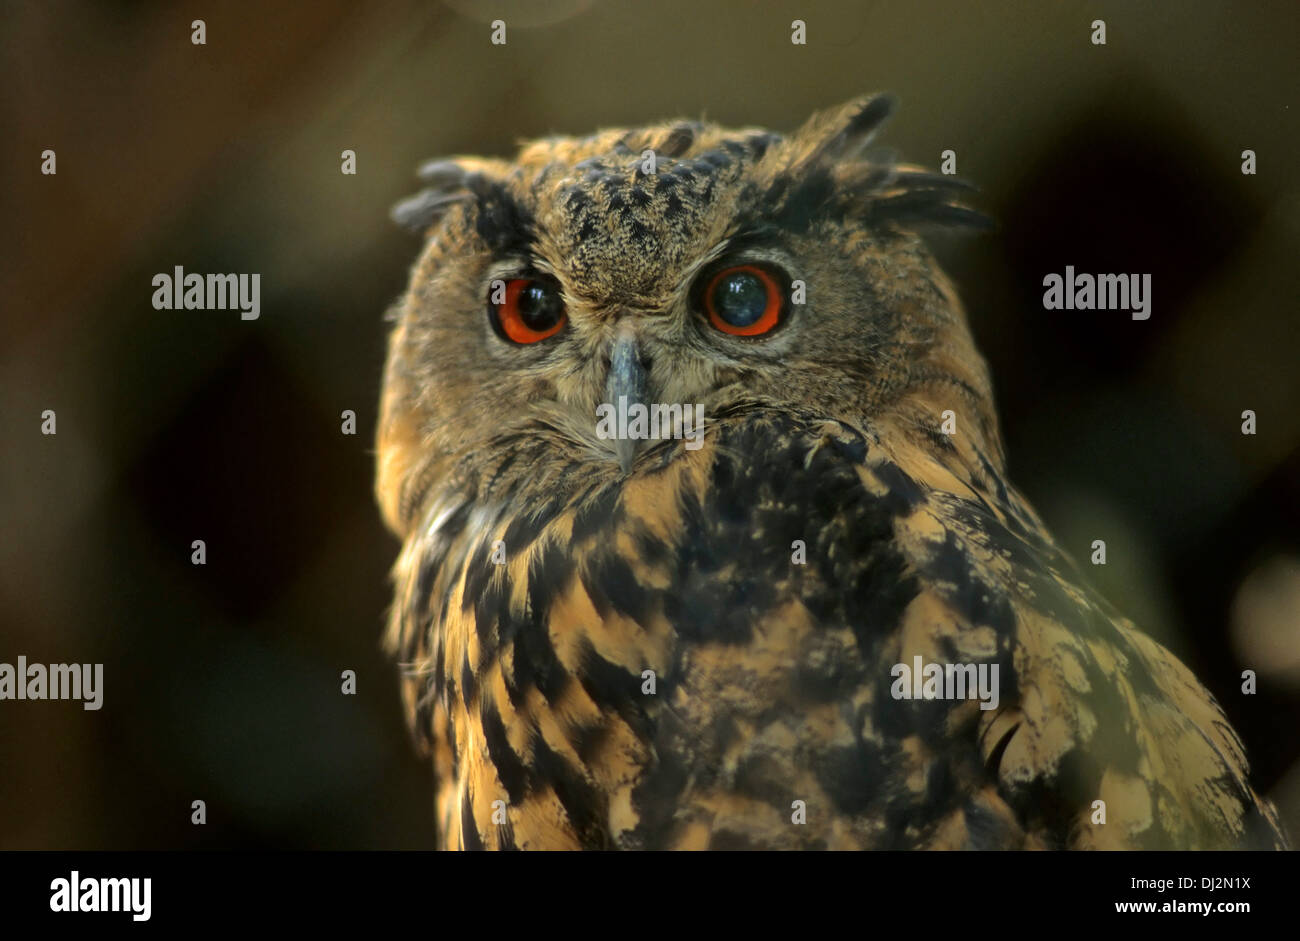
744	301
532	311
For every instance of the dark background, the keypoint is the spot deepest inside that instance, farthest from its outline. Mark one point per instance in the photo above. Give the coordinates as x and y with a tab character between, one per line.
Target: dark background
222	681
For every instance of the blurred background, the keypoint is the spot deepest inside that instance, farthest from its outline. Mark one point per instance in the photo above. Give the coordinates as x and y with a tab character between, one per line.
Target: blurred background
222	682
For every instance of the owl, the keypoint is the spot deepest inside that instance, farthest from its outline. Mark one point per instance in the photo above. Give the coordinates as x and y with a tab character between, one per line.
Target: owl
707	535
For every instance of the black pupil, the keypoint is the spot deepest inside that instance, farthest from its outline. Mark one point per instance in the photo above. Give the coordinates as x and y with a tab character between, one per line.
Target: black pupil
740	299
539	307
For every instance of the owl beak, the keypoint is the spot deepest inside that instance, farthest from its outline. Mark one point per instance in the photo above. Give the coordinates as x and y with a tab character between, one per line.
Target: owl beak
625	386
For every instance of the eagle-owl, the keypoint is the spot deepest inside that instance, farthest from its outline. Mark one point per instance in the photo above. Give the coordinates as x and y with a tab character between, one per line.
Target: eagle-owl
703	638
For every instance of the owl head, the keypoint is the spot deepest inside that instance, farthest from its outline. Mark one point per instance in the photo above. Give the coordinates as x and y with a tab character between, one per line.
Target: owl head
682	263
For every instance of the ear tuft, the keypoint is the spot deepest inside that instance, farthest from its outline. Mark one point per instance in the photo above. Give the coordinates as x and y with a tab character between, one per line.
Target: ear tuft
417	213
448	182
833	167
843	133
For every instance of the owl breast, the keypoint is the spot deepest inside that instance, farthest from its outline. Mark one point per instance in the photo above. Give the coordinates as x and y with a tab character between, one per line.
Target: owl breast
706	654
698	655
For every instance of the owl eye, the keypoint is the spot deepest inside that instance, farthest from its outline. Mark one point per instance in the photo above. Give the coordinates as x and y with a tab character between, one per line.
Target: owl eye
531	311
744	301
